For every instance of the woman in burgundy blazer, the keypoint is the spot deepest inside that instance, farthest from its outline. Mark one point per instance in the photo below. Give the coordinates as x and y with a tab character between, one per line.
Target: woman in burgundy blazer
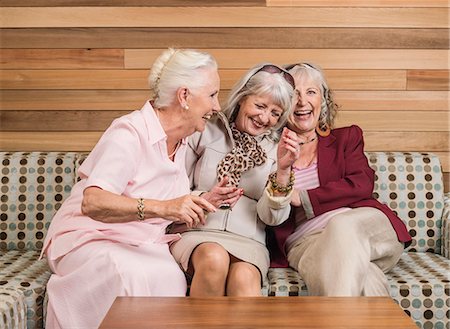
339	238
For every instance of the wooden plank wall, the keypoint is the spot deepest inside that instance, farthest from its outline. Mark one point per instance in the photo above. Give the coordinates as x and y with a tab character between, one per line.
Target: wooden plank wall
68	67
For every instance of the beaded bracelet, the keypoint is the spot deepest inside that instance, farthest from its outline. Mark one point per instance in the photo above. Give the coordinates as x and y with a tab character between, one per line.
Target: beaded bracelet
140	209
277	187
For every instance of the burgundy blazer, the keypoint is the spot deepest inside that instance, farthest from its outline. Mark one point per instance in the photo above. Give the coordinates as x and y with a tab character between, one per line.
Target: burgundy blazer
346	180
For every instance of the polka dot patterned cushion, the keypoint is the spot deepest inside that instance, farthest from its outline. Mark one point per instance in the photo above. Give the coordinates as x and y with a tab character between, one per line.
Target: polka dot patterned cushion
286	282
12	309
411	185
420	284
21	270
32	189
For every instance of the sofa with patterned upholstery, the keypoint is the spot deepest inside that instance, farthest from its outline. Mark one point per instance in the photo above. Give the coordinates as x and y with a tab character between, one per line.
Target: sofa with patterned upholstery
34	185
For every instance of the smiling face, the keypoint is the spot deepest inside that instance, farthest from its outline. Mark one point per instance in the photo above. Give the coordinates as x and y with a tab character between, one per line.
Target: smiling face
203	102
257	114
307	107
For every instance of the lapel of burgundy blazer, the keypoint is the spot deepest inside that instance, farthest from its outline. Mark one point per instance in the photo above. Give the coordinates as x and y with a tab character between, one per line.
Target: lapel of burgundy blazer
326	156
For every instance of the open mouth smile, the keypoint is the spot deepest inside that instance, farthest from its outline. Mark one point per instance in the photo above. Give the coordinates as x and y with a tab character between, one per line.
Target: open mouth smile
302	113
207	116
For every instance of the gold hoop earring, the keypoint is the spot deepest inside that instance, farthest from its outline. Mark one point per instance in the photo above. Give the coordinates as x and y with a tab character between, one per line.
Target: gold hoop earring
323	130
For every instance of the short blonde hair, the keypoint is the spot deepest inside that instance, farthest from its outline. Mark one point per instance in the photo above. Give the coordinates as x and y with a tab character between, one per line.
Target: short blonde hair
176	68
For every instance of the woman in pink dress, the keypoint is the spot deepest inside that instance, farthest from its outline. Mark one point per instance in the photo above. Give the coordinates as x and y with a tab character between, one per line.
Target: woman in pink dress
109	237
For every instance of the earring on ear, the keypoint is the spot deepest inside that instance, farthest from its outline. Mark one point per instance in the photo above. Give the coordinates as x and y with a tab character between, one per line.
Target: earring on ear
186	107
323	130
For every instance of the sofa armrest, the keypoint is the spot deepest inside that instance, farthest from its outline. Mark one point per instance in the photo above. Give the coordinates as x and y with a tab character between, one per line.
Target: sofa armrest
446	226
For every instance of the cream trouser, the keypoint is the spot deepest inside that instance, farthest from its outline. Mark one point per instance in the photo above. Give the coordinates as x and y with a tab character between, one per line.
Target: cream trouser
349	256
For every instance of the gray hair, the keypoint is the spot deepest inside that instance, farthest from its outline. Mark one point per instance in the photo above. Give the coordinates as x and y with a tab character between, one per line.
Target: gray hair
176	68
258	82
329	108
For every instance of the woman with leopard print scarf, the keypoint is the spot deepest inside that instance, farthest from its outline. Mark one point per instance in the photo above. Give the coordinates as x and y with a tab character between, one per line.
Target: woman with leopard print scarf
241	164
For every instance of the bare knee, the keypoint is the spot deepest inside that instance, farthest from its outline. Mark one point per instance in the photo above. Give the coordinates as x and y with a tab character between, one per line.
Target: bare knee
244	279
210	263
210	256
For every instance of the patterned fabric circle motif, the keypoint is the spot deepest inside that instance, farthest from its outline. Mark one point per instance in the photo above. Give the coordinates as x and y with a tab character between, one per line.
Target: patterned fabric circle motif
33	187
411	185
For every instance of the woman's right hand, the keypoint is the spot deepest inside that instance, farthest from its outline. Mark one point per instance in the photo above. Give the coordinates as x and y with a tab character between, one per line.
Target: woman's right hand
222	194
188	209
288	149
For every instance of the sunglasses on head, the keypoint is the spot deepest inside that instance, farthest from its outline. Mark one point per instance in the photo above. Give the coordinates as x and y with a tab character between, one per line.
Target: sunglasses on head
291	66
273	69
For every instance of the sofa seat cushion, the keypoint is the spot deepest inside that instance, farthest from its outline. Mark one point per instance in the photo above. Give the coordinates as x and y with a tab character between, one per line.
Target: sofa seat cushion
286	282
12	309
420	284
24	272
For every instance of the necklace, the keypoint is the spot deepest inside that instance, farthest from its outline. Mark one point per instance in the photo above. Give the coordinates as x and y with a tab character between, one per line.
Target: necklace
307	142
177	146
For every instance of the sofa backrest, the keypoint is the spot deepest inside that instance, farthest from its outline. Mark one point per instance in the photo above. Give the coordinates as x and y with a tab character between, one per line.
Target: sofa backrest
411	184
35	184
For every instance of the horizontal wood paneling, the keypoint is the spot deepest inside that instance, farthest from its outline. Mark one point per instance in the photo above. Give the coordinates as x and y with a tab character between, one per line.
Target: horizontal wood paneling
428	80
50	100
393	100
217	37
69	67
48	141
326	58
85	140
395	120
358	3
128	3
225	3
403	141
17	100
89	120
57	120
12	17
61	58
137	79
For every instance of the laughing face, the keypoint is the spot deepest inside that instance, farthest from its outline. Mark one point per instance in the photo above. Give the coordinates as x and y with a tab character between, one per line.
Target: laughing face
306	111
257	114
204	101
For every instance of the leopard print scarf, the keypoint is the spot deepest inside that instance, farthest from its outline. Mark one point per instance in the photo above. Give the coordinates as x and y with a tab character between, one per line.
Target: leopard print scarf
244	156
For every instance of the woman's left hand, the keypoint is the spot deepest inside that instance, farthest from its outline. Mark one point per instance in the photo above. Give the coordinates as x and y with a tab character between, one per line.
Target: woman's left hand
288	149
221	194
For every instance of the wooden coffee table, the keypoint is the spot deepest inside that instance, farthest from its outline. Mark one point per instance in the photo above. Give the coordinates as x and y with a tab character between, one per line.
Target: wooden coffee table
256	312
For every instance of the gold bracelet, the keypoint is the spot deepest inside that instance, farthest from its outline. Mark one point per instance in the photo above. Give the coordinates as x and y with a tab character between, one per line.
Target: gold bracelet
282	189
140	209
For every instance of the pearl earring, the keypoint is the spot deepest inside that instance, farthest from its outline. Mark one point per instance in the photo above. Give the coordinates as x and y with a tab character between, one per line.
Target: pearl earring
186	107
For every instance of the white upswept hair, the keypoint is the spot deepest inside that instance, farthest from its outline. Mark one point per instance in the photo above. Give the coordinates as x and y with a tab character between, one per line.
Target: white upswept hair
176	68
262	83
